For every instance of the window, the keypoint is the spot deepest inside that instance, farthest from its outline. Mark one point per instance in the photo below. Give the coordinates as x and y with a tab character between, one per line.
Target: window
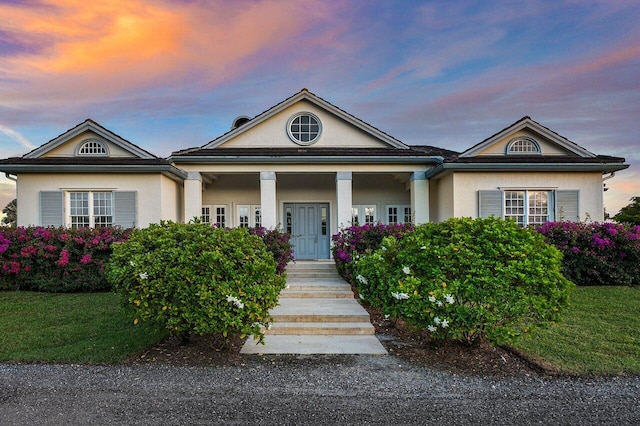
90	209
398	214
523	145
363	215
288	220
206	214
249	216
304	128
93	147
215	215
527	207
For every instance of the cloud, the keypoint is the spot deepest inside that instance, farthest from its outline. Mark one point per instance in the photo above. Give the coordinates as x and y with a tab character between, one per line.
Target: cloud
17	137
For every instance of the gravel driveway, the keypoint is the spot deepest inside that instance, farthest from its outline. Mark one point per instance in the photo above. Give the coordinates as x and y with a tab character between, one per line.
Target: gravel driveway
305	390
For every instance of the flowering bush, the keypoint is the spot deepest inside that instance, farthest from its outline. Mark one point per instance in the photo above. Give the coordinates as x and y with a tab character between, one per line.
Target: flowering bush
56	259
597	253
278	243
356	240
197	279
466	279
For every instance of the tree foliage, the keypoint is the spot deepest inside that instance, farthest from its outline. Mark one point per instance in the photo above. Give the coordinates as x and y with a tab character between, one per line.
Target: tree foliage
630	213
10	213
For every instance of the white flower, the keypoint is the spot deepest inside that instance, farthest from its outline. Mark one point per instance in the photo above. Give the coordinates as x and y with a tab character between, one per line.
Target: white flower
132	263
423	248
384	248
387	316
432	299
439	303
235	301
444	323
362	279
437	321
406	270
361	296
144	276
400	296
431	328
449	298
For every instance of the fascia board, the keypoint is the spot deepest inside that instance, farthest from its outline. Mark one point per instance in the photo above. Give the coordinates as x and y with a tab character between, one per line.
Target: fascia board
506	167
310	160
62	168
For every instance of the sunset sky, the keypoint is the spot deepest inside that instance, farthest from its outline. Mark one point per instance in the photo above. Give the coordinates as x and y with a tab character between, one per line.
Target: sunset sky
169	74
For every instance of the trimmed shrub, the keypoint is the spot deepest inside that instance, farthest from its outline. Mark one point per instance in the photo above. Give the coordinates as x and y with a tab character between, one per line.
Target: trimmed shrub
467	280
595	253
56	259
356	240
197	279
278	243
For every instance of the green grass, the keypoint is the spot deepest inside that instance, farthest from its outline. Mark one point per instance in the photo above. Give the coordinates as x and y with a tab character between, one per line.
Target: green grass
77	328
599	334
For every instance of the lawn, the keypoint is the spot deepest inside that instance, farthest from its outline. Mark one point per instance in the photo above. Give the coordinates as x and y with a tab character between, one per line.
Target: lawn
599	334
79	328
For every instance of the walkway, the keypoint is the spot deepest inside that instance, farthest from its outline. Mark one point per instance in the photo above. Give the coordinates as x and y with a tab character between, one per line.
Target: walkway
317	314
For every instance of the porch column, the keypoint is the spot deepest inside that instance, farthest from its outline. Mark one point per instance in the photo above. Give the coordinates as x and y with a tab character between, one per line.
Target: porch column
344	198
192	196
419	187
268	202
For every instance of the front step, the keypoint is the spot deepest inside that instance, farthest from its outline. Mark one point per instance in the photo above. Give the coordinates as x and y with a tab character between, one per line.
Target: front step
317	294
322	328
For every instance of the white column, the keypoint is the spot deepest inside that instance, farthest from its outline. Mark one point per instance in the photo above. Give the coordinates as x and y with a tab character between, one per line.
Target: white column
192	196
344	197
268	200
419	187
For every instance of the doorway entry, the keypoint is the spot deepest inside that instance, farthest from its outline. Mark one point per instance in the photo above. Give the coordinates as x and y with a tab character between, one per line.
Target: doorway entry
308	224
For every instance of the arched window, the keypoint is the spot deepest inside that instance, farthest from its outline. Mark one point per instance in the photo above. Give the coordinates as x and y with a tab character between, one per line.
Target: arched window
523	145
92	147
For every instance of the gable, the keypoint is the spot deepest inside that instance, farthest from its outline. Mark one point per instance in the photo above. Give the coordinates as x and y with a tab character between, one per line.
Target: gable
546	146
337	128
91	140
71	147
528	133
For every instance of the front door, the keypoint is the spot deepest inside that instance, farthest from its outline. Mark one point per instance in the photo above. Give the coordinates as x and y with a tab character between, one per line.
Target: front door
308	224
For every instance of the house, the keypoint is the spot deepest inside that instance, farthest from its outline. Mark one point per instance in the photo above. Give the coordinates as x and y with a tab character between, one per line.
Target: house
309	167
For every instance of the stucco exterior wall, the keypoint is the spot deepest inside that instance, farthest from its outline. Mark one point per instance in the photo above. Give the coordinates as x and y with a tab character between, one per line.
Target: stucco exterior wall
148	187
171	201
467	185
273	132
441	198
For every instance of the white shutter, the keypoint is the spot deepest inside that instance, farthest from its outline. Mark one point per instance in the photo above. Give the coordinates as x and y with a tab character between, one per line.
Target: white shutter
51	208
567	205
490	203
125	209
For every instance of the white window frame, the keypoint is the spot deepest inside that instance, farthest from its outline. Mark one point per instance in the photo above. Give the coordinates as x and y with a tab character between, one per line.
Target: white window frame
403	213
92	148
216	212
360	211
92	198
251	222
528	207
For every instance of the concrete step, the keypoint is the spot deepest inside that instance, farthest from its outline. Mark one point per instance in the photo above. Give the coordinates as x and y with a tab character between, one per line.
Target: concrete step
319	310
315	344
322	328
312	274
317	294
318	284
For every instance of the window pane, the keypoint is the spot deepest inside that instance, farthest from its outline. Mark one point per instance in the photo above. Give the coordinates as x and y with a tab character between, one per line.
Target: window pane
514	206
206	214
392	215
369	215
323	214
221	216
243	217
354	216
257	214
538	207
288	217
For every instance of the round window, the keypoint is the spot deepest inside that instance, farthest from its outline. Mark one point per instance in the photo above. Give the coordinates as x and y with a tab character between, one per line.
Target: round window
304	128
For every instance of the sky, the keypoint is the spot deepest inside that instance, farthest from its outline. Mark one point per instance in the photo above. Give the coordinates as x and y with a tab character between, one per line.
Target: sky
169	74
